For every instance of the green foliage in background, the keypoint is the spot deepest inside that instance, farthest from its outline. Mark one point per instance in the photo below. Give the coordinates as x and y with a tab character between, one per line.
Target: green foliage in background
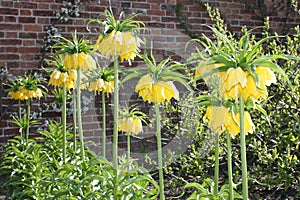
34	169
272	151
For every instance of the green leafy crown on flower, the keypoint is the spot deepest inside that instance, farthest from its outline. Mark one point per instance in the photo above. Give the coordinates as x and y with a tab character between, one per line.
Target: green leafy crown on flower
76	45
246	53
122	24
30	82
106	74
127	112
166	70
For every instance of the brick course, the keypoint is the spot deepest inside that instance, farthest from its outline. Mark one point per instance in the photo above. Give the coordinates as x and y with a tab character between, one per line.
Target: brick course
23	24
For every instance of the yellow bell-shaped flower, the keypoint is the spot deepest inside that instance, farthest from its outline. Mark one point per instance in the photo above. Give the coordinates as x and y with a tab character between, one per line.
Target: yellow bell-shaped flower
130	126
77	60
220	119
156	92
57	79
123	44
233	82
216	117
100	85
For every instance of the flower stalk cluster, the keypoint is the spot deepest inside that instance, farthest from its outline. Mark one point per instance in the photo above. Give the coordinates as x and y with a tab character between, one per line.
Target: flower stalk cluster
238	73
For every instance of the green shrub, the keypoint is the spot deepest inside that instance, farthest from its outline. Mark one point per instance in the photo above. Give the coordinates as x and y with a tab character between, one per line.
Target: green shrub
34	169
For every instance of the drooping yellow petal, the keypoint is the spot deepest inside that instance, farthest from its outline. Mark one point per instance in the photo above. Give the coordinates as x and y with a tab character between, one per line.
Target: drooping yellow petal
232	126
89	63
252	91
233	77
138	127
169	90
216	117
265	76
144	82
108	87
249	126
232	83
158	93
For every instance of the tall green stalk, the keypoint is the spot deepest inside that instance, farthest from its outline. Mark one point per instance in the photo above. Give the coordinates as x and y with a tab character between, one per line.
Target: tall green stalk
63	118
20	115
79	115
159	152
116	117
243	150
28	118
128	146
229	164
103	126
216	175
74	121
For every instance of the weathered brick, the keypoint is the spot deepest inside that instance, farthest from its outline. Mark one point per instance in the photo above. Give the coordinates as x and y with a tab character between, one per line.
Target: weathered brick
10	19
9	56
11	49
125	4
27	20
28	42
141	5
25	5
33	28
10	42
29	49
43	20
156	12
43	6
28	35
25	12
43	13
8	11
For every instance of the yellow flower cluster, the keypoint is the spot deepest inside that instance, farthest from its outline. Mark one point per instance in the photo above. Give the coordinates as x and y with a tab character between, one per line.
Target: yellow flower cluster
24	94
79	60
125	44
130	125
156	92
101	85
220	119
57	79
235	82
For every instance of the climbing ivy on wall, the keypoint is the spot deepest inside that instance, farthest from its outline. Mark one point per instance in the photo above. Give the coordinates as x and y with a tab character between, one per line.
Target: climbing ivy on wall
69	9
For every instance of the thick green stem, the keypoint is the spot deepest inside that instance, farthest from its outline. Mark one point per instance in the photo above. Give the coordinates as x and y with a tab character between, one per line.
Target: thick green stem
159	152
103	126
128	145
79	115
216	175
19	109
64	122
116	117
243	150
28	119
229	164
20	115
74	121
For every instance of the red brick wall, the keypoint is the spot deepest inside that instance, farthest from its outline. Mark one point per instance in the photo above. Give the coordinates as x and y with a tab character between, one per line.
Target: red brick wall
23	24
